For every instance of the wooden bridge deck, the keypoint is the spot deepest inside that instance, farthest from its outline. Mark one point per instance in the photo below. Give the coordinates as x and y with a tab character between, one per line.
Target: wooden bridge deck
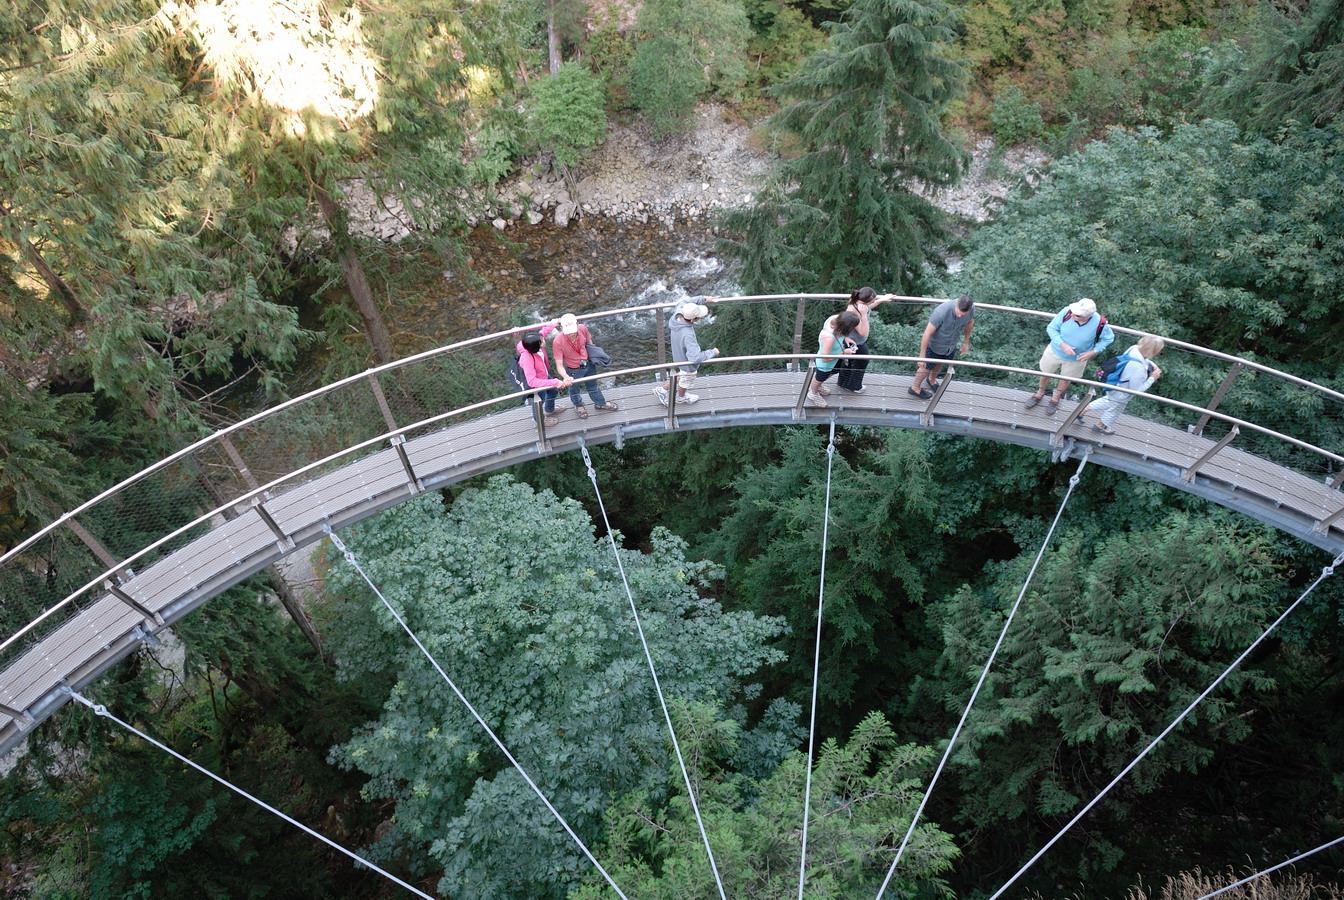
107	629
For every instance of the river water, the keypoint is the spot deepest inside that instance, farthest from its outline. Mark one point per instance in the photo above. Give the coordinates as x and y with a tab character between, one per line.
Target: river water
537	273
534	273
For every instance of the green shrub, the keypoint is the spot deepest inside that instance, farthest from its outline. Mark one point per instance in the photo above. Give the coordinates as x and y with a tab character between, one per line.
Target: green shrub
496	147
1014	118
567	113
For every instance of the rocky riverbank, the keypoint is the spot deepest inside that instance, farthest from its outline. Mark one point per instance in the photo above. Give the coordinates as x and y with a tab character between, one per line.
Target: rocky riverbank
633	178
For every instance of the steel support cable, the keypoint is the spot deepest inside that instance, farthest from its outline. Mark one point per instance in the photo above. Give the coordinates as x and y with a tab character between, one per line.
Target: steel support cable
350	558
816	659
648	655
101	710
1003	633
1285	863
1325	573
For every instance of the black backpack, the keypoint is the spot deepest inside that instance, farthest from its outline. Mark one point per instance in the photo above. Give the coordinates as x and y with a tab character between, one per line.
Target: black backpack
517	379
1112	369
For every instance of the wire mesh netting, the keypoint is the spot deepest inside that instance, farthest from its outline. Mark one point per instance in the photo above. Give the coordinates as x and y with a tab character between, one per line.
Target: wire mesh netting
310	435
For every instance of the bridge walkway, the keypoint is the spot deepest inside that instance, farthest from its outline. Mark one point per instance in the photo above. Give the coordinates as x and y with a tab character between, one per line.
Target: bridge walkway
110	627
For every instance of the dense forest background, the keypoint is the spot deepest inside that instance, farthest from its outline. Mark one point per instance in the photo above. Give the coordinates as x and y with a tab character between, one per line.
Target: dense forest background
171	186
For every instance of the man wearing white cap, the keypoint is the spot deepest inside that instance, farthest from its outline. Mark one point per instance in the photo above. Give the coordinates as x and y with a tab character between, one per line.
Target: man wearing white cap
1077	334
686	349
569	349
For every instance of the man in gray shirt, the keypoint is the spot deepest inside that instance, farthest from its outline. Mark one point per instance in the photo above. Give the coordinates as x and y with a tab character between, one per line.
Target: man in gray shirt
940	341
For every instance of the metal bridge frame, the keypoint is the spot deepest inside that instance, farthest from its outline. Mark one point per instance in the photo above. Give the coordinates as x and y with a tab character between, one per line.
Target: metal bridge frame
116	612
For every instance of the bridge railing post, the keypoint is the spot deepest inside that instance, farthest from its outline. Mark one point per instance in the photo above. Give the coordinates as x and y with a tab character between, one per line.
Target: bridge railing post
1189	474
809	375
674	384
926	417
1218	395
798	340
1058	437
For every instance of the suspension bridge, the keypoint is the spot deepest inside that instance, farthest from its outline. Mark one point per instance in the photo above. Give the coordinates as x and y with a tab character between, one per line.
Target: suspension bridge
1228	429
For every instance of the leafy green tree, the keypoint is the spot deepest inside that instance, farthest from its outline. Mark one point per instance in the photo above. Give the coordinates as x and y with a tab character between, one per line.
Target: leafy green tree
1015	118
567	113
1206	235
523	606
863	795
1109	645
690	46
861	133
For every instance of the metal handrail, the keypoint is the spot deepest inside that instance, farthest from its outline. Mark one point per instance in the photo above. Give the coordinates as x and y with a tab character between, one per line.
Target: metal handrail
293	402
637	370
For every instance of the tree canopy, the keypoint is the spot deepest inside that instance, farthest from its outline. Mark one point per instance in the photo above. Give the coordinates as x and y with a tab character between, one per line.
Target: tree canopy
529	617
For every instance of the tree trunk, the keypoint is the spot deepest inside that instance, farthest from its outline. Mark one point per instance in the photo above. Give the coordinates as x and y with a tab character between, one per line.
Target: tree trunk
58	286
358	283
294	606
552	39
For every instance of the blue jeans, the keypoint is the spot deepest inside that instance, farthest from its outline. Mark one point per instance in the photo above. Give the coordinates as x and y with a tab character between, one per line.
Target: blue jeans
547	398
576	390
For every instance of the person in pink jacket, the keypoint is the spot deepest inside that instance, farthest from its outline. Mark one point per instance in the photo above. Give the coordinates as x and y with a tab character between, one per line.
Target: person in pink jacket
532	360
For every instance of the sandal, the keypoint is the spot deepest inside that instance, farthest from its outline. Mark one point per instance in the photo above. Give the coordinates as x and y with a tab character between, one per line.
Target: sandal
582	412
1033	400
549	421
608	406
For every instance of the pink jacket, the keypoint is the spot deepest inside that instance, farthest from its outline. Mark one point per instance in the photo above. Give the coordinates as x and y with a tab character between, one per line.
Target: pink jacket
535	369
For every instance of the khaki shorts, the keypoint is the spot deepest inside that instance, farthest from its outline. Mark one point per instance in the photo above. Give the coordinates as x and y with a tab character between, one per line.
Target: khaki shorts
685	379
1052	364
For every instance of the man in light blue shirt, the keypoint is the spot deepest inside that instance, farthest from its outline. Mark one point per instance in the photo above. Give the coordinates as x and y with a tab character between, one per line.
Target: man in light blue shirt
1077	334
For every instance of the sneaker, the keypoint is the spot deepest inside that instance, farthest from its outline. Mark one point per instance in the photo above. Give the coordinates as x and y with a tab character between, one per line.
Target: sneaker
858	390
922	393
661	393
688	397
814	399
1033	400
822	389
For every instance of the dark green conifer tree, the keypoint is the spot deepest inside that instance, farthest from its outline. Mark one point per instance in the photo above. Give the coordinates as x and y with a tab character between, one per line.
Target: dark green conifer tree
861	135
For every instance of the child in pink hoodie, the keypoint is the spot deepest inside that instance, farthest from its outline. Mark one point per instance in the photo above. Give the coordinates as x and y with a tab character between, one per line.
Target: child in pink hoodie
532	360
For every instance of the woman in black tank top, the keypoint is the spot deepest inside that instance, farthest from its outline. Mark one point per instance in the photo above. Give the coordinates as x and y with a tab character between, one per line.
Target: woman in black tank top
851	368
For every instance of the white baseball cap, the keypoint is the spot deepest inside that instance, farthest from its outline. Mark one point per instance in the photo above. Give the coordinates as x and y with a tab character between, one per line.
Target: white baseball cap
1085	308
569	324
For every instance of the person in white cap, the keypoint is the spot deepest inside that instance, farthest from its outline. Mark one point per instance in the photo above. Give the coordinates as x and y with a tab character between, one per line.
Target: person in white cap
1077	334
569	349
686	349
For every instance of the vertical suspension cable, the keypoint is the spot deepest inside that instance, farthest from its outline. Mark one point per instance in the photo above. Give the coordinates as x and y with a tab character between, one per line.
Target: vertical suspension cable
1003	633
101	710
1285	863
657	686
1325	573
350	558
816	659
